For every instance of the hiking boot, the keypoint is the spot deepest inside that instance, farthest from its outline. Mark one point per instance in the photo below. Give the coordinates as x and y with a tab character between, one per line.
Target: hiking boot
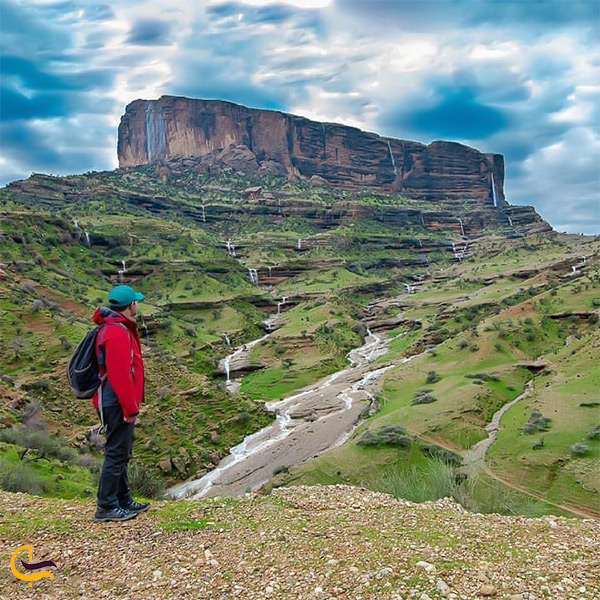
137	507
114	514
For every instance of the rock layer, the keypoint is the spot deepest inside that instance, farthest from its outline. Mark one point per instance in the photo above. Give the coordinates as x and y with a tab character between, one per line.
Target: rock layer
249	140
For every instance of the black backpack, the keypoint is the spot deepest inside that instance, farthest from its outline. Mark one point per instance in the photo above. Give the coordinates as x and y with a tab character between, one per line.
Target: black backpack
83	372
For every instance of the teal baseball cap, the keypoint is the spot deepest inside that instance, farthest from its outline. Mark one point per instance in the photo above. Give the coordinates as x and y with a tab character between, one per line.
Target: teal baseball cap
122	296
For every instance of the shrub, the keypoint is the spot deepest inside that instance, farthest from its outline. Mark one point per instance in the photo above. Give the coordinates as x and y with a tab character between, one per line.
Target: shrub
439	453
593	434
537	422
280	469
538	445
20	477
483	376
423	399
420	483
145	482
579	449
463	344
432	377
40	441
388	435
244	418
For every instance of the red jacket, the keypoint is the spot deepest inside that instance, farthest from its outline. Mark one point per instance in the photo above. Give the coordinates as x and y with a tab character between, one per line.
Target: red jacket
122	354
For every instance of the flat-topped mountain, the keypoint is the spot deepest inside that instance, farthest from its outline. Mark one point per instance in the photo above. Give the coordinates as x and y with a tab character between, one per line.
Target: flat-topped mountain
231	136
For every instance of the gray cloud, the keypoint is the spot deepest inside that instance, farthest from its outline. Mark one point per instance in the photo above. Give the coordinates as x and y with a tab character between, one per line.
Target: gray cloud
150	32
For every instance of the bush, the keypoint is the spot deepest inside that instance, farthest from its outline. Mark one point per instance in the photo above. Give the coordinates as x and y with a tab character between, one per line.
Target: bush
20	477
483	376
537	422
579	449
420	484
280	469
40	441
463	344
439	453
145	482
593	434
423	399
388	435
432	377
538	445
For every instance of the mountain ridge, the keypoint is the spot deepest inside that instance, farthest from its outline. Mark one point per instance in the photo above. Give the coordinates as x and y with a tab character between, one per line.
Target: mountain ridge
277	142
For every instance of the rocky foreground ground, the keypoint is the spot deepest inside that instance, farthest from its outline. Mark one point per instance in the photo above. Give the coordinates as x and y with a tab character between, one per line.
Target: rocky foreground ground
299	543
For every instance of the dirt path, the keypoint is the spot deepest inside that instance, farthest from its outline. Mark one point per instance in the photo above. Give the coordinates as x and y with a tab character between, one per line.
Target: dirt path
577	511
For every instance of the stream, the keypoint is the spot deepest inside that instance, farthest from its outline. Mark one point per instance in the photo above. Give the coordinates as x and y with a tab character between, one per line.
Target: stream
308	423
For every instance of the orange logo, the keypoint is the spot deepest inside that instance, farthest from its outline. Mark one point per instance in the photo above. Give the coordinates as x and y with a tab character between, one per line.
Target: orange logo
30	577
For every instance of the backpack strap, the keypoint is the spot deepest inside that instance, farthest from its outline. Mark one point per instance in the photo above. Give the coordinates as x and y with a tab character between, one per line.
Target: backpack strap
105	376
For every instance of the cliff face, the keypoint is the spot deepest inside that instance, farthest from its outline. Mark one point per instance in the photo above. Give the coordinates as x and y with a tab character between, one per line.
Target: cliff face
269	141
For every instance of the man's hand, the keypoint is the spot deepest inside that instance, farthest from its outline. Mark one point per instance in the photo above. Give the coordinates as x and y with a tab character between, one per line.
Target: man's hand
129	419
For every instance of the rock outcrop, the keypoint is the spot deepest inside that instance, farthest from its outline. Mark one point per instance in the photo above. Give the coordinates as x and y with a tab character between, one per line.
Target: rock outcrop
248	140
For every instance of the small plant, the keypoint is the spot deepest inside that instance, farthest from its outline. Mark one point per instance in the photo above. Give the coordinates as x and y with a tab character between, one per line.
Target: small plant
463	344
20	477
432	377
388	435
145	482
280	469
538	445
594	433
422	397
579	449
537	422
441	454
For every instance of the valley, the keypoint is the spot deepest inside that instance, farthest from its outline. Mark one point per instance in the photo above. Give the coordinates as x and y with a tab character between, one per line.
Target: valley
258	290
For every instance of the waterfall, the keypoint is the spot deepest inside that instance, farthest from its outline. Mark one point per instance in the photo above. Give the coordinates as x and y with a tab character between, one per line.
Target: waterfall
226	365
410	289
583	258
87	239
279	205
455	252
420	243
494	192
509	221
299	244
422	220
392	158
155	132
121	271
203	212
230	248
462	229
324	138
227	340
75	223
253	275
144	326
280	304
574	269
270	271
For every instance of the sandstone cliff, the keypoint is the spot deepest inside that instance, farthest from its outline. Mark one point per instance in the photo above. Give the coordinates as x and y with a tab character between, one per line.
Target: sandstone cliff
253	140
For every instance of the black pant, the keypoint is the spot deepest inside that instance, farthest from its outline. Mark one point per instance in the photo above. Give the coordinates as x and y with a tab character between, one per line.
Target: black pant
113	488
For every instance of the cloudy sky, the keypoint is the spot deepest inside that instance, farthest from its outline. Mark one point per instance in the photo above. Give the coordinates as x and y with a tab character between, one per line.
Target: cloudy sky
518	77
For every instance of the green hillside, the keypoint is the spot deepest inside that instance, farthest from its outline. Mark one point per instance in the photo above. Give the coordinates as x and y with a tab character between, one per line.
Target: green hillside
507	304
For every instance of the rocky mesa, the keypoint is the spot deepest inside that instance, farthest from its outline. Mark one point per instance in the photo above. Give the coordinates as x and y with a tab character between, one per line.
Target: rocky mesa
227	135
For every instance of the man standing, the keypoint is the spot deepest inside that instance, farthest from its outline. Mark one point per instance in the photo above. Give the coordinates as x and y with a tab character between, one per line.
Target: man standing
119	355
